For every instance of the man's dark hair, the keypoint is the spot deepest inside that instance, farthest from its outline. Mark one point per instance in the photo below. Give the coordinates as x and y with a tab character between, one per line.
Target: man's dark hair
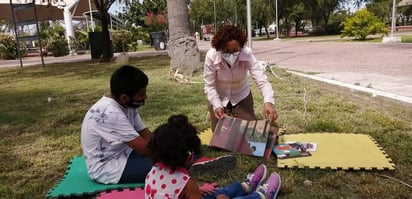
127	80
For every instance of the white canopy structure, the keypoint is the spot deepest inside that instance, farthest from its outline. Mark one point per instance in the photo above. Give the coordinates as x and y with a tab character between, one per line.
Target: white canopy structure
405	3
56	10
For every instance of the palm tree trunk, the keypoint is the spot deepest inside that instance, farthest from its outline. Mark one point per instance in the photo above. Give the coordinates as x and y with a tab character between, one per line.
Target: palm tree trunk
182	46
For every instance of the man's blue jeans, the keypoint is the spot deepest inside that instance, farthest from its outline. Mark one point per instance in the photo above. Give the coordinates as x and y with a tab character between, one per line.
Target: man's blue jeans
137	167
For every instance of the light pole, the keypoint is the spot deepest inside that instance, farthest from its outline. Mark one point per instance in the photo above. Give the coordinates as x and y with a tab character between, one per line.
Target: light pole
393	17
91	16
249	24
277	21
392	38
214	13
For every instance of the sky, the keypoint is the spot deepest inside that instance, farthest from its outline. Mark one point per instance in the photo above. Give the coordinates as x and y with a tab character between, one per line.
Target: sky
116	7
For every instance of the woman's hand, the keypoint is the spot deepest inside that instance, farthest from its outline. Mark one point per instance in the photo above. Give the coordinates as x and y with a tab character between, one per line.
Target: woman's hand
269	112
220	113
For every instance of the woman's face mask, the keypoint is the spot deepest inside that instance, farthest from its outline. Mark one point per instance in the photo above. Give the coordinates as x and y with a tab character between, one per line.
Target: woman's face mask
231	58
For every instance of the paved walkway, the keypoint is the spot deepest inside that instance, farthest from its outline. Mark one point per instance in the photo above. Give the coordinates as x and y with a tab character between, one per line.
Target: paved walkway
377	68
30	61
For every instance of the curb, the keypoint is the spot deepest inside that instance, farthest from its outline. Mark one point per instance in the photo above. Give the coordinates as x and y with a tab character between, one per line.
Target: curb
373	92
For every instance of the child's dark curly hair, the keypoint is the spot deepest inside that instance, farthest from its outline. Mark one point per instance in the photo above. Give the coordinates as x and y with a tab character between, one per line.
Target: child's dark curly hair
171	142
228	33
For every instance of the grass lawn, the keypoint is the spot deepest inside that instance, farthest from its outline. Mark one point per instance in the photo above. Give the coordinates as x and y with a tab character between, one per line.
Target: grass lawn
41	110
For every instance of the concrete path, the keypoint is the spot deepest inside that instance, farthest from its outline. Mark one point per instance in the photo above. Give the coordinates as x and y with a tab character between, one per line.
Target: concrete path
377	68
30	61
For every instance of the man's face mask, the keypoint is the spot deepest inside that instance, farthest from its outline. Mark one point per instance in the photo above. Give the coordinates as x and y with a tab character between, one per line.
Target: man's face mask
134	104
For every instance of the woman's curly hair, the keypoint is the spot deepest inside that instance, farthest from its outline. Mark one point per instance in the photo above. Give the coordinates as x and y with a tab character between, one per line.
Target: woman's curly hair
172	141
228	33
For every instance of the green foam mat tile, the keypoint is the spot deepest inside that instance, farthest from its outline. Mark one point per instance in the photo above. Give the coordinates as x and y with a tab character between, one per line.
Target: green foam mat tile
76	182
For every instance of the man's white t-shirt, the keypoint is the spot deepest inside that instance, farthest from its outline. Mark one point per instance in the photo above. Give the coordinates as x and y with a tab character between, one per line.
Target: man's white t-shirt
106	129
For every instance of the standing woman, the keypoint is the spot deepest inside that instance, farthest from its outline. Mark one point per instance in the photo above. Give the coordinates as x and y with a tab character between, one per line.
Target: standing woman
226	69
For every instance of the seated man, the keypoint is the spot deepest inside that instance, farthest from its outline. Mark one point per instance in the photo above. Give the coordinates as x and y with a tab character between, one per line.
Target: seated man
114	138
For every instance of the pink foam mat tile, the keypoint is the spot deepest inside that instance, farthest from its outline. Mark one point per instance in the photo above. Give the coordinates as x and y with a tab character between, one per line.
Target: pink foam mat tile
122	194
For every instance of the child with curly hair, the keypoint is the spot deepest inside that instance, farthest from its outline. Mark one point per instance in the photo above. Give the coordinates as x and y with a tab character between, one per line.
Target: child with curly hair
172	148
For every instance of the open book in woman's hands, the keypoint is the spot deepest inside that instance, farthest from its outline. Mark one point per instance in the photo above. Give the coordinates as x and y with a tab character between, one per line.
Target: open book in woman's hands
247	137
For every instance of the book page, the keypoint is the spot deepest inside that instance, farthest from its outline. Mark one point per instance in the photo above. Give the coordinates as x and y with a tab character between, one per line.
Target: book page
256	135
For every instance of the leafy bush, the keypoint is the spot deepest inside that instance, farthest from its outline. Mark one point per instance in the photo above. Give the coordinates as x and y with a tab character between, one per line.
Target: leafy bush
8	48
58	46
362	24
127	40
120	40
53	34
140	33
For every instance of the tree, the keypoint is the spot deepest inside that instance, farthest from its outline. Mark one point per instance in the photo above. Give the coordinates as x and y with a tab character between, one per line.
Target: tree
297	15
103	7
362	24
135	12
183	50
5	26
156	22
262	13
327	7
227	11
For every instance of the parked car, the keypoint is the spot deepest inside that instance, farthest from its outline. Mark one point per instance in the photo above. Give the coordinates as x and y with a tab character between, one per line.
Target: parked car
260	32
272	29
207	37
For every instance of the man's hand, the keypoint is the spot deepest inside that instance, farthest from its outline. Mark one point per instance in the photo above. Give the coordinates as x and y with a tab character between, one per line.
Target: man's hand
220	113
269	112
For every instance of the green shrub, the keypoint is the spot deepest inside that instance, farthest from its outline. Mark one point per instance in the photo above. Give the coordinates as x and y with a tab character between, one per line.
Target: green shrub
8	48
362	24
58	46
120	40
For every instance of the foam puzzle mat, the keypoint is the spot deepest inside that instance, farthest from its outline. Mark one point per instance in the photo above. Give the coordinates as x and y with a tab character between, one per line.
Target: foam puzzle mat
339	151
205	136
76	182
334	151
123	194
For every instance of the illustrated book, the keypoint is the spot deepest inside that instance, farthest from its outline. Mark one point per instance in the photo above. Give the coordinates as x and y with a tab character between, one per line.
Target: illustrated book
292	149
247	137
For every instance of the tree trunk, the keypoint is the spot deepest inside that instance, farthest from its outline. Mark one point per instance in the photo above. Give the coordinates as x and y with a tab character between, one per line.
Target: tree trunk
182	46
106	43
103	7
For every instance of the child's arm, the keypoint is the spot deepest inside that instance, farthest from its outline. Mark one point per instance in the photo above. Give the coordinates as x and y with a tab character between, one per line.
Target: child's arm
208	188
222	196
191	191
